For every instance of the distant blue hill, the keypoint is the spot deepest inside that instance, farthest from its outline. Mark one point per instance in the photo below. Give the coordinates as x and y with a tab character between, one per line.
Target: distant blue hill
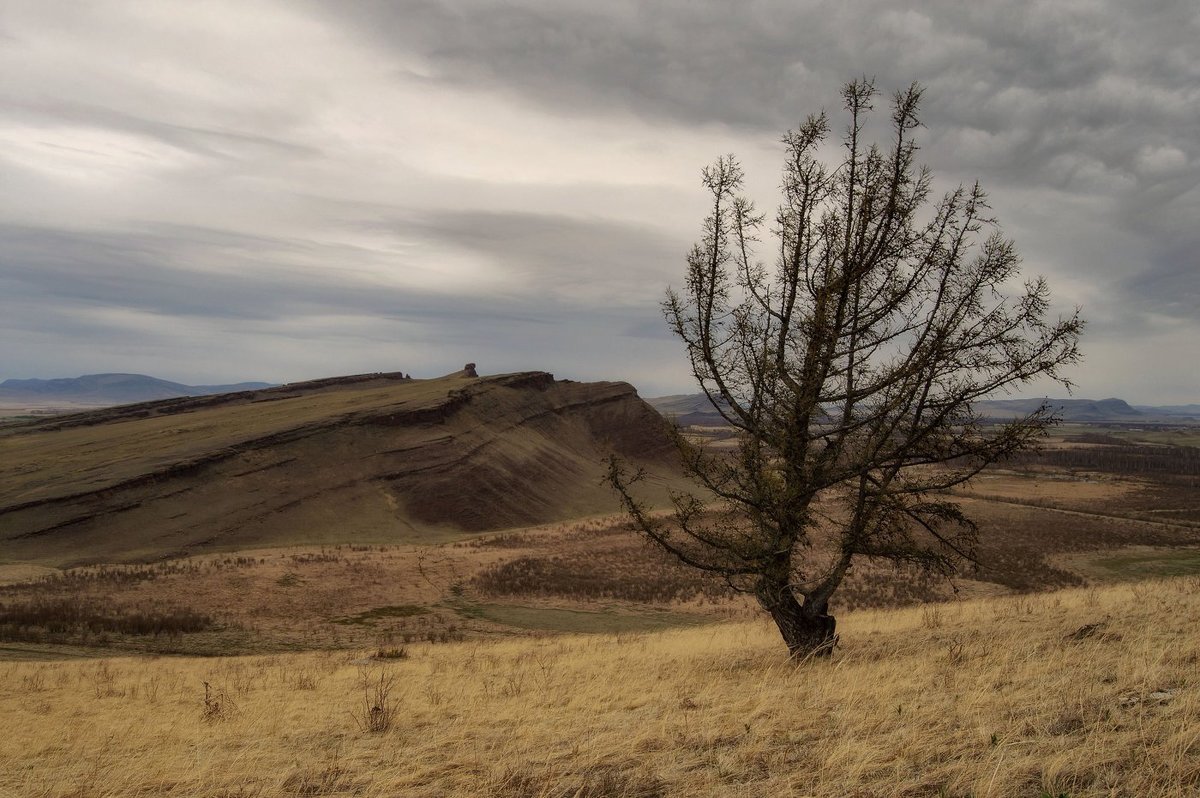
1177	410
695	409
95	389
1096	410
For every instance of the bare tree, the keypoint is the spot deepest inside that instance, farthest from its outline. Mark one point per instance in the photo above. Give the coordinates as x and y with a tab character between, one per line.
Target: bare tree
849	368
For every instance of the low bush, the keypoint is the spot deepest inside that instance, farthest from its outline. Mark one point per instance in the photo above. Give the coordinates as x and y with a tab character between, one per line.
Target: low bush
37	619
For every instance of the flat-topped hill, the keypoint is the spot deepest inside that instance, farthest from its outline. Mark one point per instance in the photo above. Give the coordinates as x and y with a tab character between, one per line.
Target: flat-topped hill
367	458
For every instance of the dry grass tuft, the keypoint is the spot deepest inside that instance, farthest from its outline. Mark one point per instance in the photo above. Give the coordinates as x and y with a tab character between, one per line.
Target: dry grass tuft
599	781
377	713
217	705
329	779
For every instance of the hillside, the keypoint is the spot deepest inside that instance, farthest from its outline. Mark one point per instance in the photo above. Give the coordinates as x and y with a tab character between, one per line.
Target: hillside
1080	693
369	458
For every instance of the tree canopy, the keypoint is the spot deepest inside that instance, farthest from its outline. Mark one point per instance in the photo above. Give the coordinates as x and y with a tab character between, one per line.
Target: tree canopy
848	365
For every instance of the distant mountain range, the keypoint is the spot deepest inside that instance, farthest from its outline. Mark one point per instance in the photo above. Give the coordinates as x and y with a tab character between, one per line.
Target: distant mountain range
110	389
100	390
695	409
1089	410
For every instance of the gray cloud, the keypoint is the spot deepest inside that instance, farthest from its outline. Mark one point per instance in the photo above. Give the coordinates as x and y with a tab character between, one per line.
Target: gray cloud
1089	101
138	292
557	256
265	279
763	64
204	141
314	186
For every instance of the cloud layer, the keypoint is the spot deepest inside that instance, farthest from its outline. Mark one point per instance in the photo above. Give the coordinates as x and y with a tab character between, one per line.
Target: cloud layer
224	191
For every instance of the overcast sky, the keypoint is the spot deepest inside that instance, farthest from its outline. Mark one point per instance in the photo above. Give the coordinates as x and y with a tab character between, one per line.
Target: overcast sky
221	191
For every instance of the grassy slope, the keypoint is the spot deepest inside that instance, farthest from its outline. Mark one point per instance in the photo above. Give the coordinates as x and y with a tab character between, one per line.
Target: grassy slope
988	698
211	502
372	461
46	465
585	575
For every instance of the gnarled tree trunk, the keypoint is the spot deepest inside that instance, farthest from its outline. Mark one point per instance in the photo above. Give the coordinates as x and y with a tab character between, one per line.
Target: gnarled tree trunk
807	629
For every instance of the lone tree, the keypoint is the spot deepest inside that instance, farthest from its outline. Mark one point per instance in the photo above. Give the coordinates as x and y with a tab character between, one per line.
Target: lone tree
848	367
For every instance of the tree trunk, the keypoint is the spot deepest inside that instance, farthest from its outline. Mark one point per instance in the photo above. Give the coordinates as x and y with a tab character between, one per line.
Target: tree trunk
807	629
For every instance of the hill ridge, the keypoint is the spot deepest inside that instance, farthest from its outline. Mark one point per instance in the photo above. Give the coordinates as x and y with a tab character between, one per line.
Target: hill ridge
111	388
695	409
365	457
184	404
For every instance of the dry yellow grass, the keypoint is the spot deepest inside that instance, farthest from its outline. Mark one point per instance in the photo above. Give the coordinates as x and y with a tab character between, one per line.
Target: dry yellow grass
1015	696
1056	487
38	465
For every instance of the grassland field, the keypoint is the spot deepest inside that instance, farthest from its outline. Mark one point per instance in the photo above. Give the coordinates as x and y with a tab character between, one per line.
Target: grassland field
572	659
1045	528
1079	692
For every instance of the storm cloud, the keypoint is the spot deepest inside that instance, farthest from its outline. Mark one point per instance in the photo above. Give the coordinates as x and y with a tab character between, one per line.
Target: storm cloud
222	191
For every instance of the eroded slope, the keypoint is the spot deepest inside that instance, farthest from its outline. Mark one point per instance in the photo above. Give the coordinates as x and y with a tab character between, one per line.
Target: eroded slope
372	458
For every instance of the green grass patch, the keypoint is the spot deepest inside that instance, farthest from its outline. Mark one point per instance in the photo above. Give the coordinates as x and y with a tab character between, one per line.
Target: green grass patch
1142	565
379	613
